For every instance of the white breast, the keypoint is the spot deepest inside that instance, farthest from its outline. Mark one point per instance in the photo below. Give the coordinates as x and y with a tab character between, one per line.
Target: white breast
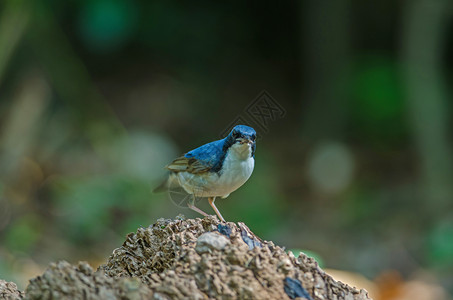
237	169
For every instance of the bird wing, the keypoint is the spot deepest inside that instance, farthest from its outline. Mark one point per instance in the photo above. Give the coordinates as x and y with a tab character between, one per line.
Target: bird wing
199	160
191	165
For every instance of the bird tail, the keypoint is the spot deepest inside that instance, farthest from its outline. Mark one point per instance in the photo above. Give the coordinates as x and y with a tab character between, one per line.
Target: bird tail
161	187
169	182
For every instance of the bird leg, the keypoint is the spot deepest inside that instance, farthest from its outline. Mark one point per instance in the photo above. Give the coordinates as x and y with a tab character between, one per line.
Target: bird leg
211	202
194	208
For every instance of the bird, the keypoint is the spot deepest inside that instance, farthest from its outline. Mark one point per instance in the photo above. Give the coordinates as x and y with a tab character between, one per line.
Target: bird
215	169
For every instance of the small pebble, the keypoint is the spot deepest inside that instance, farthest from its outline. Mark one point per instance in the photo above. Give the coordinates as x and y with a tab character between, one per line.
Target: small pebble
211	241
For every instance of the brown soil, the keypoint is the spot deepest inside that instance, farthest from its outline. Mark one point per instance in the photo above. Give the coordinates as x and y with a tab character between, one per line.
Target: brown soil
191	259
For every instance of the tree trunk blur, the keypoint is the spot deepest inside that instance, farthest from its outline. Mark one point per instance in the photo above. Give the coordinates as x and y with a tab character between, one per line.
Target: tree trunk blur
423	35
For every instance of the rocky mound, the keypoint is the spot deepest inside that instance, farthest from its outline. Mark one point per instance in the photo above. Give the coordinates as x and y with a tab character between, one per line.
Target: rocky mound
193	259
8	291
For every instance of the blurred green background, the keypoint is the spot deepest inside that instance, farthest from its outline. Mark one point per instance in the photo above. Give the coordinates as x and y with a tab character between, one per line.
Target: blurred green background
97	96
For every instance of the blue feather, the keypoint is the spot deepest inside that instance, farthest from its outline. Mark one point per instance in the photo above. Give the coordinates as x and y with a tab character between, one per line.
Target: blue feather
211	154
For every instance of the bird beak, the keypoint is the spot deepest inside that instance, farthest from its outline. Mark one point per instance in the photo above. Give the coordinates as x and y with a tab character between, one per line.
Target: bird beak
245	141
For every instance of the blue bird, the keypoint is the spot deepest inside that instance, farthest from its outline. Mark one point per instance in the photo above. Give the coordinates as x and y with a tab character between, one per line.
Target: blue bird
215	169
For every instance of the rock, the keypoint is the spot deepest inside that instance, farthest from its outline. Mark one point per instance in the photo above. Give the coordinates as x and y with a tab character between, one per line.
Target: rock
65	281
9	291
224	229
211	241
248	237
294	289
193	259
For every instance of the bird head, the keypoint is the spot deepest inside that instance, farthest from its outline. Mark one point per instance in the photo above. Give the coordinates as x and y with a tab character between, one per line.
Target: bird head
243	139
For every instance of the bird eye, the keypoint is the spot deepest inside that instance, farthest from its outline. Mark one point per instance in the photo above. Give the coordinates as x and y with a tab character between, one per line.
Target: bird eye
236	134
